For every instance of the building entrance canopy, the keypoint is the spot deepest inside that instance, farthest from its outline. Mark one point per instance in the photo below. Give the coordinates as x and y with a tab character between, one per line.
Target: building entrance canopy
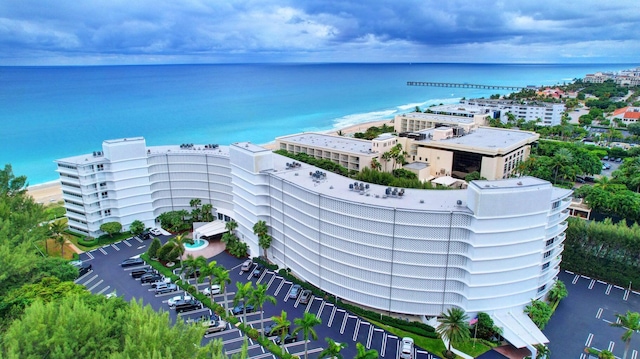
209	229
518	329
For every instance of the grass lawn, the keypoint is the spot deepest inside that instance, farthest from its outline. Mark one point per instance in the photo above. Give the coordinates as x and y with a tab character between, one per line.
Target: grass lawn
54	249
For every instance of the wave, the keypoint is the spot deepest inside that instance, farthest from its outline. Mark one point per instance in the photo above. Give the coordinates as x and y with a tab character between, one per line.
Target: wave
351	120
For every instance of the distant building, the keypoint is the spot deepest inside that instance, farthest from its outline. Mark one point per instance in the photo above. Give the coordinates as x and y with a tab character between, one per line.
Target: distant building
549	114
627	114
598	77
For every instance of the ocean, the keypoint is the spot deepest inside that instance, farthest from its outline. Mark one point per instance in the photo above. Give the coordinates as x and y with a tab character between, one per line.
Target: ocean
55	112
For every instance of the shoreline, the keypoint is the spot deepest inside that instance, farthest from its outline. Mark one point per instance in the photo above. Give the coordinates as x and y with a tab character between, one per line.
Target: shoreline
51	192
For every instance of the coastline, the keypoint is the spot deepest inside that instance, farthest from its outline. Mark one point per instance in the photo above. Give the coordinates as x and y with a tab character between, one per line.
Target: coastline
51	192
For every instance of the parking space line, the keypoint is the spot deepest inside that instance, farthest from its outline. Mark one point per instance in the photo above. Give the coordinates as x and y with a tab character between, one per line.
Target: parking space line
583	356
383	349
618	287
95	285
585	277
138	239
89	255
278	289
273	277
570	272
104	289
127	243
115	247
103	251
611	345
310	351
79	279
261	277
265	355
599	313
593	281
634	354
608	289
575	279
356	330
333	313
626	295
321	308
601	282
589	339
370	336
217	334
90	280
344	323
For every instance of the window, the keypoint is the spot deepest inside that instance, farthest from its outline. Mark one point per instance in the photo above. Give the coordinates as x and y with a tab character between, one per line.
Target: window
100	167
545	266
555	205
541	289
547	254
549	242
107	213
105	194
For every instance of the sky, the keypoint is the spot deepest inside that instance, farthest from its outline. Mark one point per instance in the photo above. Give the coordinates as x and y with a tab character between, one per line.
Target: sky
89	32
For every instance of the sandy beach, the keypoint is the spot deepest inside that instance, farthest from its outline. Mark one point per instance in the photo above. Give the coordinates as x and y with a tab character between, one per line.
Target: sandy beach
51	192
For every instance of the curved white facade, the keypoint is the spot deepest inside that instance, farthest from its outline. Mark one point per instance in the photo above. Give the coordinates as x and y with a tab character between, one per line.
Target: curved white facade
491	247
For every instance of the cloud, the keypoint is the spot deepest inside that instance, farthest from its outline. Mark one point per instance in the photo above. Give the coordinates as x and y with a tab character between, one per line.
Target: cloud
117	31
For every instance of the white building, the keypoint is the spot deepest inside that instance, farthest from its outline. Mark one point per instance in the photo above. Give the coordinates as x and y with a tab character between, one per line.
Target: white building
549	113
492	247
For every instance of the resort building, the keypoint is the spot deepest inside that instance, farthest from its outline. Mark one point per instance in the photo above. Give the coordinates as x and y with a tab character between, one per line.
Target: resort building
627	114
492	247
549	114
598	77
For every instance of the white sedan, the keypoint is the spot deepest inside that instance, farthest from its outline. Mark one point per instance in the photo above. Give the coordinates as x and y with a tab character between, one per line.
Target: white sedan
214	288
155	231
172	301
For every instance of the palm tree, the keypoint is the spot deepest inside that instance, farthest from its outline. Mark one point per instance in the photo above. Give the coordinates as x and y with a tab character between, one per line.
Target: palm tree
231	226
453	326
258	297
196	202
222	278
375	164
543	351
261	230
60	241
630	322
386	157
193	264
363	353
242	295
605	354
332	351
282	325
306	324
180	241
209	270
56	228
265	243
558	291
206	212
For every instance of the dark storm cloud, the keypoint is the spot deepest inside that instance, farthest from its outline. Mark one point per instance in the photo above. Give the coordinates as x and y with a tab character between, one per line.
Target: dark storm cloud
116	31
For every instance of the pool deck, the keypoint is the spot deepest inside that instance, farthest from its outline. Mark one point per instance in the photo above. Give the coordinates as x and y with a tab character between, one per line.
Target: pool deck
214	248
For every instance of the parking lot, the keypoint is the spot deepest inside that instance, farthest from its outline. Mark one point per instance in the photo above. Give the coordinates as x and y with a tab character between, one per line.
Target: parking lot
583	318
108	276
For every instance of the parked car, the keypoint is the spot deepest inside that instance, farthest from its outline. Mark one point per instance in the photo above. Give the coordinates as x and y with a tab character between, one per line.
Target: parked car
137	273
187	305
246	265
406	351
76	263
150	278
215	289
240	307
618	159
305	296
214	326
178	298
258	271
144	236
605	158
295	291
270	330
161	281
155	231
186	272
131	262
86	268
287	339
166	288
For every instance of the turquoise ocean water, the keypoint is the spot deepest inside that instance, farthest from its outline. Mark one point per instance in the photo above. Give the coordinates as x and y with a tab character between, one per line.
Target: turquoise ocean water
54	112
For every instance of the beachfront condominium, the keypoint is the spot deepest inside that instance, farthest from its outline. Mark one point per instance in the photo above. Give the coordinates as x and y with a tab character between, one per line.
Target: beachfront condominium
492	247
545	113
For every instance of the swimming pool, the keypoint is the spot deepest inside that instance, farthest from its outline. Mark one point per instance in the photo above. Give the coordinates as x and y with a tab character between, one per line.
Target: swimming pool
197	245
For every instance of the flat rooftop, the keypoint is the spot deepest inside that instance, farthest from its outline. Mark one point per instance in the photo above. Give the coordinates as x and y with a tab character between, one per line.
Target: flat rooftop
437	118
486	140
460	108
330	143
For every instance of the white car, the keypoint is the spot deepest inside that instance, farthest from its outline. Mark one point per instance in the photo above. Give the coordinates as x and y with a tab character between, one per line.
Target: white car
407	348
177	298
246	265
155	231
214	288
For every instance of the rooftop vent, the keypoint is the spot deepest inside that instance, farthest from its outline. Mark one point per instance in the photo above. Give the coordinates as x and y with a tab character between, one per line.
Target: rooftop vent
459	202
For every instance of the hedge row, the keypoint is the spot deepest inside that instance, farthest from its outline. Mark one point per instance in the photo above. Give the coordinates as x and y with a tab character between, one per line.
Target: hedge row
88	242
417	328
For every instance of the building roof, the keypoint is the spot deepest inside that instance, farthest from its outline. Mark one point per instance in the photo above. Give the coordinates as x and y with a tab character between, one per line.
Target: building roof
437	118
331	143
620	111
518	329
632	114
484	140
210	229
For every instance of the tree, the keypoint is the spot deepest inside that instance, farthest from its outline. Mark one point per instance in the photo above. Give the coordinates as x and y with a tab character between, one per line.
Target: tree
209	271
631	323
258	297
231	226
558	291
164	253
222	278
60	240
386	157
375	164
136	228
484	327
363	353
192	265
605	354
332	351
282	326
265	243
305	325
111	228
243	293
57	229
180	240
207	216
453	326
261	230
539	312
154	248
542	350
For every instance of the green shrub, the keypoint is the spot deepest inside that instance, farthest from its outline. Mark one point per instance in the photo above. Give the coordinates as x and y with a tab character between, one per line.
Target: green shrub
88	242
270	266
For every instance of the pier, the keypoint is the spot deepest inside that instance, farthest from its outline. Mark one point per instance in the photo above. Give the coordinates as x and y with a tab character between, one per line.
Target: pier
467	86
